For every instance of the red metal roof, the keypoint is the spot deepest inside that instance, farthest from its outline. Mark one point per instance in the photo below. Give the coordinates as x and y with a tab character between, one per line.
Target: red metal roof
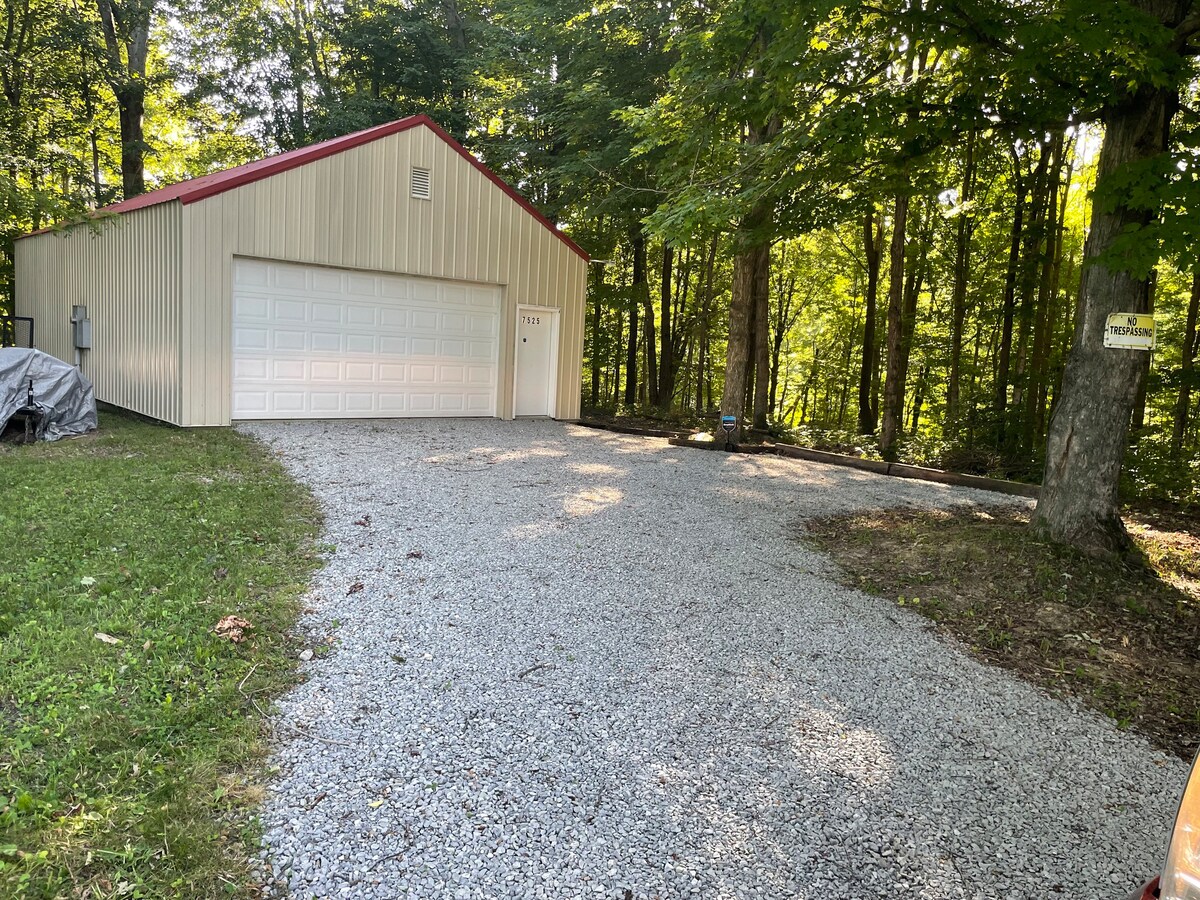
197	189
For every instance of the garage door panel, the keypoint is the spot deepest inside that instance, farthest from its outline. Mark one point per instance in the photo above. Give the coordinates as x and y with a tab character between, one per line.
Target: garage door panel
325	401
395	318
394	288
290	277
424	320
362	315
251	339
361	343
252	308
483	326
479	404
289	340
325	370
327	281
483	298
289	401
393	346
290	311
455	375
360	371
249	404
326	343
423	290
289	370
252	273
326	313
250	369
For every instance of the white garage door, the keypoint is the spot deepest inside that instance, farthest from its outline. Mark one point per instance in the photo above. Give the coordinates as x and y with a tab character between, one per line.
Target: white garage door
311	342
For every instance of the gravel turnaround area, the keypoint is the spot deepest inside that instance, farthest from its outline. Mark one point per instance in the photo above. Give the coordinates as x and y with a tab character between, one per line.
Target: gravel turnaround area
574	664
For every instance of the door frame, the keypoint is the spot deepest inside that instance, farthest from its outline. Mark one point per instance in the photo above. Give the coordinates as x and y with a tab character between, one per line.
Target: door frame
552	386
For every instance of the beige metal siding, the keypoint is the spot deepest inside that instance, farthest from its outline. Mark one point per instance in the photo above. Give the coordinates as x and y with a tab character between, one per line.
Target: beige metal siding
354	210
126	271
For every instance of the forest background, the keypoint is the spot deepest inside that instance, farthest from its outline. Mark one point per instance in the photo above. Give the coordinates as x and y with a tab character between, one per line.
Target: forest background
861	225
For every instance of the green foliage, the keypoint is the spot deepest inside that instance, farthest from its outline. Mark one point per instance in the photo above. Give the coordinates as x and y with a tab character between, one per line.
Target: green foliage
127	762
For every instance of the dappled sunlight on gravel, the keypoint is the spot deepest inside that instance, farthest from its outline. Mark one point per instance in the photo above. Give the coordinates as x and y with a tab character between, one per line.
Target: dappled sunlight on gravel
576	664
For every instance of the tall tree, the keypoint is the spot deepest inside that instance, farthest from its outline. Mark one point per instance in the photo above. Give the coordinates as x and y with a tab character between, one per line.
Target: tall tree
1079	501
872	235
1187	368
125	25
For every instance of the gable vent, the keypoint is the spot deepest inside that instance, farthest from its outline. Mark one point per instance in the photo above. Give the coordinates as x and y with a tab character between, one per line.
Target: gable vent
422	185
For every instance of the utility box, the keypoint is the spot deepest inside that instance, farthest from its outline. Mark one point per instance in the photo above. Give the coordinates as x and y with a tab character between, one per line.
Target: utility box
81	328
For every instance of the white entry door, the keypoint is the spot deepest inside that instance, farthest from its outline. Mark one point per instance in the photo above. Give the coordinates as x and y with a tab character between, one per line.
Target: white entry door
537	352
311	342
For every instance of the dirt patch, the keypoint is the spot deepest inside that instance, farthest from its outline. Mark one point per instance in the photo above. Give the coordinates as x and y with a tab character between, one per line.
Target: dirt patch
1124	640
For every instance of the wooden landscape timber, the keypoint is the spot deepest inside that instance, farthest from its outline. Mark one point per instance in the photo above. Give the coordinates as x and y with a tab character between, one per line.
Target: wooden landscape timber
878	466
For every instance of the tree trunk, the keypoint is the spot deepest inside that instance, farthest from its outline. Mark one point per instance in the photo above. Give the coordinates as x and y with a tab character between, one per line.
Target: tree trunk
1186	368
1031	259
632	347
705	316
666	361
779	328
126	31
872	251
737	354
651	350
1000	398
597	313
1079	502
1138	422
617	359
762	331
893	390
131	106
914	278
958	296
919	397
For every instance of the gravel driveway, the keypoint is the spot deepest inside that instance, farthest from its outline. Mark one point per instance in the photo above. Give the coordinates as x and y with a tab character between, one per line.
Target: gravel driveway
575	664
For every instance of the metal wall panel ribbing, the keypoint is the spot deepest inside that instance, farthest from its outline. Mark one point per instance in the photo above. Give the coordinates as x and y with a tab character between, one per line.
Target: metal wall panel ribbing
354	210
127	271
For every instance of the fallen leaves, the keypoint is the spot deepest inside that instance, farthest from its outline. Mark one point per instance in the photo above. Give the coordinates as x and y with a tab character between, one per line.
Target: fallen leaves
355	588
365	521
106	638
232	628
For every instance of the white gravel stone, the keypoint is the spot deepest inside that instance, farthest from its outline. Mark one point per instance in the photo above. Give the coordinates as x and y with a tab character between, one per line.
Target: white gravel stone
583	664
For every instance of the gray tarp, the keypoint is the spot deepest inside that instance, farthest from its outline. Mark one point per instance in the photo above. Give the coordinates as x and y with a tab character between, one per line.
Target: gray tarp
64	395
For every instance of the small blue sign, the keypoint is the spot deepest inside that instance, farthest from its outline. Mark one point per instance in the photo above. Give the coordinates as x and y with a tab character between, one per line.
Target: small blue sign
729	423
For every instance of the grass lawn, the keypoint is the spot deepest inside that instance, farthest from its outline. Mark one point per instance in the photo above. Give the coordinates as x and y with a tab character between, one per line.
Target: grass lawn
1123	640
130	738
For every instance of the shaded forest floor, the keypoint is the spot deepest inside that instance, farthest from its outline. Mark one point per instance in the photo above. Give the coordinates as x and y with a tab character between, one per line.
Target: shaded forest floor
1124	641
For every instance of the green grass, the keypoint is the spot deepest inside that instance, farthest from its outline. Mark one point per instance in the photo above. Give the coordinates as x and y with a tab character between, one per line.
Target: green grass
130	769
